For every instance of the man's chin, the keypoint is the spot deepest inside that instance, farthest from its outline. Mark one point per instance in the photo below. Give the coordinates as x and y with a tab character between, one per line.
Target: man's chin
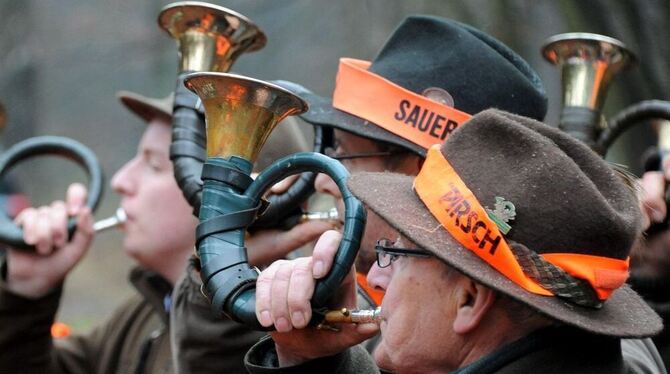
132	250
381	356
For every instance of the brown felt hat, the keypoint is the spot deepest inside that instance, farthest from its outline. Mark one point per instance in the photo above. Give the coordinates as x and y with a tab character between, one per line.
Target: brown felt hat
567	200
145	107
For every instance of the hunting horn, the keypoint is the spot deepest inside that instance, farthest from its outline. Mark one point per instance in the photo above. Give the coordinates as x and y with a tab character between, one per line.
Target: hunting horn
240	114
588	62
211	38
10	233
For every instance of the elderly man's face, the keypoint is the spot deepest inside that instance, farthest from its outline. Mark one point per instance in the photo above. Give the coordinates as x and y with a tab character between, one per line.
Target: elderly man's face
418	313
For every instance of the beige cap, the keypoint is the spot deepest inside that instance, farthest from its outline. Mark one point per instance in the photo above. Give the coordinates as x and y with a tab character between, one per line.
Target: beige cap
288	137
145	107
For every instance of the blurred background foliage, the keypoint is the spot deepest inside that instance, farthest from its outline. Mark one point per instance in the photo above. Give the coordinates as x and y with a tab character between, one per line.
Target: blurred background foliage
63	61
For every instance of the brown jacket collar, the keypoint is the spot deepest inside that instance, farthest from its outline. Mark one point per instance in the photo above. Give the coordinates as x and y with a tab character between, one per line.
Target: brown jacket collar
154	288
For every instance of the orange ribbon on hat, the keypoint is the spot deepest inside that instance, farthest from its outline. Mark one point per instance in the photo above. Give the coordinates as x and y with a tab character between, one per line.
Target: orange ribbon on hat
452	203
374	98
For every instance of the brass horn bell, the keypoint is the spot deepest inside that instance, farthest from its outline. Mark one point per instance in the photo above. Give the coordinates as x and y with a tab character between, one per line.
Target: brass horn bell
210	37
241	112
588	62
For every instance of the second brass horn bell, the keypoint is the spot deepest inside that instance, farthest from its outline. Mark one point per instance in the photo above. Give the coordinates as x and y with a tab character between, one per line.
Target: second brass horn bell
240	115
209	38
588	63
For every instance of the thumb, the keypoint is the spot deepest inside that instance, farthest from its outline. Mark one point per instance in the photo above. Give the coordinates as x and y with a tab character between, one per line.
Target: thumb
76	198
358	333
283	185
367	330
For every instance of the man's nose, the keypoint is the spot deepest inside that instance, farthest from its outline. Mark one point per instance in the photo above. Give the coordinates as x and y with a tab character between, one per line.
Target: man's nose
122	181
379	278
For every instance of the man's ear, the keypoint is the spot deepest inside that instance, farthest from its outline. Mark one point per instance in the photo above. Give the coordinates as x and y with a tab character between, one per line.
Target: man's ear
473	302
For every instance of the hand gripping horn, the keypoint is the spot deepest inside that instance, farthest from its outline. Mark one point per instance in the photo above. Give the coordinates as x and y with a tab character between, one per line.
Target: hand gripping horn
211	38
241	113
10	233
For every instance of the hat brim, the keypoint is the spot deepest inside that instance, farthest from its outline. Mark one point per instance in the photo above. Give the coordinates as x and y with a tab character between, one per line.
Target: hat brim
392	197
321	112
144	107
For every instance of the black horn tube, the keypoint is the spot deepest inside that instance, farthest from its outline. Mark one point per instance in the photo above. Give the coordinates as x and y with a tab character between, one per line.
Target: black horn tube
10	233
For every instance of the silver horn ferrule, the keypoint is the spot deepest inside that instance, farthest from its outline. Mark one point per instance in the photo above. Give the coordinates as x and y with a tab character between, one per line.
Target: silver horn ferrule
345	315
330	215
117	219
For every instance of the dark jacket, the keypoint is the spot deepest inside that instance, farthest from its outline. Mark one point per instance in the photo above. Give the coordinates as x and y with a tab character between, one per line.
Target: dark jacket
656	292
206	343
202	341
133	340
551	350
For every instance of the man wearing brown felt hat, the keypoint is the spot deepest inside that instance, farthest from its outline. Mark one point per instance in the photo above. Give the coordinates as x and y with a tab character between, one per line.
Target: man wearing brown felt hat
511	257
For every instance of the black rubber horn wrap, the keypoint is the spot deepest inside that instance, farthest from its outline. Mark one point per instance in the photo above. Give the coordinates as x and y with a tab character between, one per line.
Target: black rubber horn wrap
10	233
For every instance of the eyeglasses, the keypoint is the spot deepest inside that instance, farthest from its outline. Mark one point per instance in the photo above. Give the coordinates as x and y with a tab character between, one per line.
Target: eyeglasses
387	253
332	153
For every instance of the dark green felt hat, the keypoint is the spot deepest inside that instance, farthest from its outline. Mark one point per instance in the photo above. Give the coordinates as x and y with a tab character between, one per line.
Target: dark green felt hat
478	72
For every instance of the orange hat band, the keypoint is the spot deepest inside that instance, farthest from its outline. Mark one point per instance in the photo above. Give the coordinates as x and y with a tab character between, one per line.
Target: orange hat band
411	116
460	213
